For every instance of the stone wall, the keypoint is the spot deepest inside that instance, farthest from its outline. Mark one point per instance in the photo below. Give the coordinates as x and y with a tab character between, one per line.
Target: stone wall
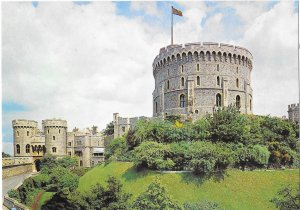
13	170
198	72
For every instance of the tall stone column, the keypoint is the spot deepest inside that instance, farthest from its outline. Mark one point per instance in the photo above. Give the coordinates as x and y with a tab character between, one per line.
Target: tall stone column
225	91
191	95
162	99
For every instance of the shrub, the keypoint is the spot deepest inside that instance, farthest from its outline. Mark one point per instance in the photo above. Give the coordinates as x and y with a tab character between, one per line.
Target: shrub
155	198
14	194
153	155
206	205
287	199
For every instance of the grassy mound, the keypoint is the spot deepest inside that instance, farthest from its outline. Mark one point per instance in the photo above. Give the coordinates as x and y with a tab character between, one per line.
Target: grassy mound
235	190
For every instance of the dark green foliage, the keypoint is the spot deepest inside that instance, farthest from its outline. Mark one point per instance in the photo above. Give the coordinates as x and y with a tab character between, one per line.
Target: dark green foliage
110	197
63	178
155	198
14	194
80	171
206	205
41	180
153	155
5	155
117	150
180	154
207	157
228	125
109	130
173	118
287	199
68	162
47	163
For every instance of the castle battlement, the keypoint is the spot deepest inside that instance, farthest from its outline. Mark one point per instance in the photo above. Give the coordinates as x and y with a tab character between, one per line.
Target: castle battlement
54	123
22	123
292	107
202	51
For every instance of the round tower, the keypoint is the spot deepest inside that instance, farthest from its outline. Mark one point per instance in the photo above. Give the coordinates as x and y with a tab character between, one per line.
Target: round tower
23	131
197	78
55	131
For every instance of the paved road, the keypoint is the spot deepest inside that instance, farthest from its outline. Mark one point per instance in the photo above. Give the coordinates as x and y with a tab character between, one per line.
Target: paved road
12	182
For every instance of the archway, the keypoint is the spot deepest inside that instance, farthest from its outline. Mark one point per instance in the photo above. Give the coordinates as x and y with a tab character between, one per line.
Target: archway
37	164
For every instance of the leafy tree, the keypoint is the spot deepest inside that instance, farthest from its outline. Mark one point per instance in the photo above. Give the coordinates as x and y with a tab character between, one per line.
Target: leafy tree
63	178
68	162
206	205
48	162
155	198
153	155
109	130
287	199
208	157
116	149
228	125
5	155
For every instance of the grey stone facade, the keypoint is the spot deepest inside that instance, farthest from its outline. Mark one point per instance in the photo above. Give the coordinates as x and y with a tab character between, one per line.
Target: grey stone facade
189	77
293	112
55	139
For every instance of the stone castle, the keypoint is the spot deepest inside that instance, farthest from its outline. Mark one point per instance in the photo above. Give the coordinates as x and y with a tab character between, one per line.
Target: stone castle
194	79
293	113
55	139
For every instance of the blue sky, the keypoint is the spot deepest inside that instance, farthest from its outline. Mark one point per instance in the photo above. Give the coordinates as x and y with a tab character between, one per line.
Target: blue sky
51	36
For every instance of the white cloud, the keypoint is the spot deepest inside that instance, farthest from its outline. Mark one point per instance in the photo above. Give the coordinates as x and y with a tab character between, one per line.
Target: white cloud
80	63
149	7
83	63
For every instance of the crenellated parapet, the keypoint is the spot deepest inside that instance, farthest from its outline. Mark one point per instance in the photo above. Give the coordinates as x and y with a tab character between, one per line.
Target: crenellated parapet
54	123
21	123
202	51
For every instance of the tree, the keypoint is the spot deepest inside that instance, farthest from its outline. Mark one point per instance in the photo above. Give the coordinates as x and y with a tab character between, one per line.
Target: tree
153	155
5	155
109	130
155	198
68	162
63	178
287	199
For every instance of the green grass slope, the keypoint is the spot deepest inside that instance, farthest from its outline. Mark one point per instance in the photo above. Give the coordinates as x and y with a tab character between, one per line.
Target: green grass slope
235	190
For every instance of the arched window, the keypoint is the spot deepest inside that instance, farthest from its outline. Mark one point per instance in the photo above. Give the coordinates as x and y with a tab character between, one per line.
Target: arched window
58	130
218	100
196	111
182	100
198	67
182	81
54	149
53	137
181	68
18	134
156	107
250	104
18	148
27	133
237	83
168	84
218	67
237	70
238	101
218	80
198	80
27	148
48	131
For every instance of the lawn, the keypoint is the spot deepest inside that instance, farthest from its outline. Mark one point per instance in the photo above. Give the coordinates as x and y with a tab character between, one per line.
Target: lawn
235	190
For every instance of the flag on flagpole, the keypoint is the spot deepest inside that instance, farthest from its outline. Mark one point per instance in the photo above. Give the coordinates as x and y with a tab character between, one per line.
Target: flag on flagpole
176	12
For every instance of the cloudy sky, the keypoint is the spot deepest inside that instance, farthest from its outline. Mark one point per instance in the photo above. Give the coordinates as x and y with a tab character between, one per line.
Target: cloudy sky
84	61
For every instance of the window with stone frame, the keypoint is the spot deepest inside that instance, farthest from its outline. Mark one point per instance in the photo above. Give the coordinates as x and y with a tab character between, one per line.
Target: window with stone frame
182	81
218	81
198	81
27	149
218	100
182	101
18	148
54	149
238	101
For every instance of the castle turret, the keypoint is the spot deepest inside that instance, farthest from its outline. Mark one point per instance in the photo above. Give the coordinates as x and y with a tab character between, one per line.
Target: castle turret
293	112
55	131
195	78
24	130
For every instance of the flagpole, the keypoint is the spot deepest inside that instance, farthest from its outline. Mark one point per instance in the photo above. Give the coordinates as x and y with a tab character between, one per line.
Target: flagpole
171	25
